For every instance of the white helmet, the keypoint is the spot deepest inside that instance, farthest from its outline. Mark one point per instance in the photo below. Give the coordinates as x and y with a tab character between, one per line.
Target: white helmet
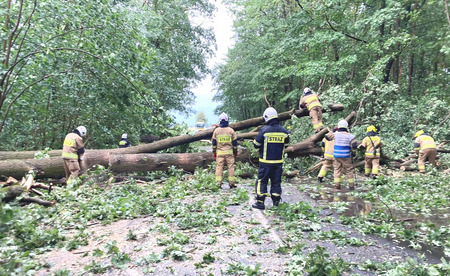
270	113
306	90
223	117
82	130
124	136
342	124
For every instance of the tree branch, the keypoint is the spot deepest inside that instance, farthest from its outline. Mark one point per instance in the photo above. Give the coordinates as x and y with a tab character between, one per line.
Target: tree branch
446	11
347	35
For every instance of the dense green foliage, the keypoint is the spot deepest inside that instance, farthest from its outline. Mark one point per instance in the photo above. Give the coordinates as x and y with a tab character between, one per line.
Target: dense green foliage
113	66
389	60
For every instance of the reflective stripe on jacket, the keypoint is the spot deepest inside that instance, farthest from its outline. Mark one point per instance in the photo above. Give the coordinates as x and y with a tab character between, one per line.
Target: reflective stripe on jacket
342	144
310	101
223	140
124	143
72	143
424	141
271	140
369	145
328	149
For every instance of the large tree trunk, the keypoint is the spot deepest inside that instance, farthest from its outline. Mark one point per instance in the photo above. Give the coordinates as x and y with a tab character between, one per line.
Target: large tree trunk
53	167
172	141
122	161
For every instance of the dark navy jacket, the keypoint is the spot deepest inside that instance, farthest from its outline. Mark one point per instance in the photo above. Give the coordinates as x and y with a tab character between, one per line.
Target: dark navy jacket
271	140
124	143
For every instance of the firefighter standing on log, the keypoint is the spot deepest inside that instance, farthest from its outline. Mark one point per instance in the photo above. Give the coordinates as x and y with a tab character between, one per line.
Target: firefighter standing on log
124	143
311	101
72	153
372	144
224	143
425	147
271	141
344	145
328	150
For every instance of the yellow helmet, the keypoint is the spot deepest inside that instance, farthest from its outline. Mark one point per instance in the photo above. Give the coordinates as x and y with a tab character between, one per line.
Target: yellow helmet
418	133
371	128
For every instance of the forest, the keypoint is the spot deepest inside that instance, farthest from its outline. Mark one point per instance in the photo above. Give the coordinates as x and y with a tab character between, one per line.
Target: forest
155	208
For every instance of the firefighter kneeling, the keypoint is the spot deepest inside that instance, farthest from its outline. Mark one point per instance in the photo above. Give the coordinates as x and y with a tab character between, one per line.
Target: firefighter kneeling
271	141
224	142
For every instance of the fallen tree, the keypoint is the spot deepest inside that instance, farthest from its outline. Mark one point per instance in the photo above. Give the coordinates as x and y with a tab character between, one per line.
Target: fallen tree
123	160
172	141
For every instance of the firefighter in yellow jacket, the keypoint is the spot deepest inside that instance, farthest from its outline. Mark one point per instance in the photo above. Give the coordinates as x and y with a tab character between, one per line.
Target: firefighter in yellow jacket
73	150
372	144
328	150
425	147
224	142
311	101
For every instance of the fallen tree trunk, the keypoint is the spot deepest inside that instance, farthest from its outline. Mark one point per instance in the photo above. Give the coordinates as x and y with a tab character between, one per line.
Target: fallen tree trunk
122	161
172	141
53	167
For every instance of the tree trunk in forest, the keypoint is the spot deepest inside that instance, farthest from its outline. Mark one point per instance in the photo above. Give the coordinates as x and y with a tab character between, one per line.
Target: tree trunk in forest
121	160
53	167
171	141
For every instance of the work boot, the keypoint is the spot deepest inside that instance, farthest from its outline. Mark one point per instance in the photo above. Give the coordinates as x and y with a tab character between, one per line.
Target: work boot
319	179
276	200
232	185
259	204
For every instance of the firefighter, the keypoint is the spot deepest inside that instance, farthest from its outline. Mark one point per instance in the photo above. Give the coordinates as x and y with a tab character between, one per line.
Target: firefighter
372	144
73	151
425	147
311	101
344	145
124	143
328	149
224	143
271	141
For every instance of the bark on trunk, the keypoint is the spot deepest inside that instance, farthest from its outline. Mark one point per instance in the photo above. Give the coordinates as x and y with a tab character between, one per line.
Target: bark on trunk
123	161
172	141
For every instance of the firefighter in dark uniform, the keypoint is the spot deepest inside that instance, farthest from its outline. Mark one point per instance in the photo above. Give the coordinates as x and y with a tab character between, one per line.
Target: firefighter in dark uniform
271	141
124	143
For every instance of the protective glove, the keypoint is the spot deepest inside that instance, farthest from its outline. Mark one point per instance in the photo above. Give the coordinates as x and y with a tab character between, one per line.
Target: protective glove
214	155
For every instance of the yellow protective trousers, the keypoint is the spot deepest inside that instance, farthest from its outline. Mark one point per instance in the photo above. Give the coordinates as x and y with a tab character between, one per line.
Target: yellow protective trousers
343	165
220	160
424	155
327	164
371	165
316	117
72	169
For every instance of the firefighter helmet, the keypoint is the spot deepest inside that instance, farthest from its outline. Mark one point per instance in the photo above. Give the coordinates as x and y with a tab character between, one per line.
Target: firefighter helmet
371	128
418	133
270	113
342	124
306	90
81	130
223	117
124	136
